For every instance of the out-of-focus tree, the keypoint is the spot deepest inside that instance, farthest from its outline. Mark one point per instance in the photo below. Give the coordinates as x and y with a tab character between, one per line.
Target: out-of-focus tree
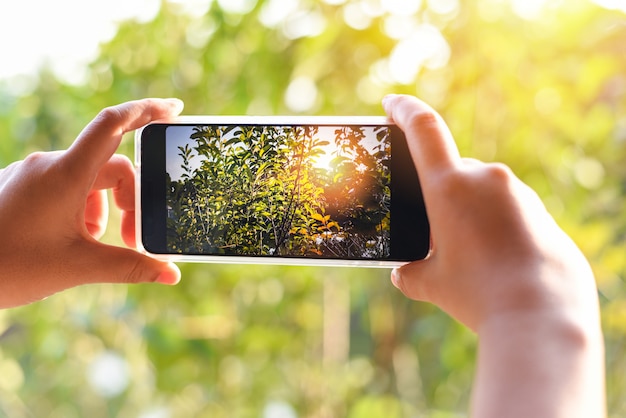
539	85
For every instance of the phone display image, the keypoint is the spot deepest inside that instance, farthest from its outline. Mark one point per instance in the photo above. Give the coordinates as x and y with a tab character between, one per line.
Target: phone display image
293	191
287	190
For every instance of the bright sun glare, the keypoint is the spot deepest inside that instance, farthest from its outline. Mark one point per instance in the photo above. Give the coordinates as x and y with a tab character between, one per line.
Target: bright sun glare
64	34
323	160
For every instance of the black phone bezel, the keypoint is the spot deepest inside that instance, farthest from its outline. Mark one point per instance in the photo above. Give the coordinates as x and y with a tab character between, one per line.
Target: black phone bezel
409	226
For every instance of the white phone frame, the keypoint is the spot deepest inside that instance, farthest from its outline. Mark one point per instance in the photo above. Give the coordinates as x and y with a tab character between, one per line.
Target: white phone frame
270	260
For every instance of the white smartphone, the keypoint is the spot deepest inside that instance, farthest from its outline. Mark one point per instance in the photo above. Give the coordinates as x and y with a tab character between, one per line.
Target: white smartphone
339	191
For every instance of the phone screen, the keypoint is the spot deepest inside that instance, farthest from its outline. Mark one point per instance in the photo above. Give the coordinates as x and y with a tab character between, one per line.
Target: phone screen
322	191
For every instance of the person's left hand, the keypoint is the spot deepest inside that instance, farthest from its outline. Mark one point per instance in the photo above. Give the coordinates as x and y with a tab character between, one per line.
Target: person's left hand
53	210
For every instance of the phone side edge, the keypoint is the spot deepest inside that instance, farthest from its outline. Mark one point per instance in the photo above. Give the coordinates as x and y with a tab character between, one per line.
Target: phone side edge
137	160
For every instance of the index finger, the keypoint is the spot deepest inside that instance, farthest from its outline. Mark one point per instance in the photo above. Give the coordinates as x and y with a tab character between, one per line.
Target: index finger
100	139
430	142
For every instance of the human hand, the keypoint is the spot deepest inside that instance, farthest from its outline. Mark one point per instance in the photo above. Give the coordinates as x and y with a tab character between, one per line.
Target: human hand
53	210
500	264
495	249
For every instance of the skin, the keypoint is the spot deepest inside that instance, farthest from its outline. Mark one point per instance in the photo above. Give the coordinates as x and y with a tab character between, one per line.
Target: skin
502	266
53	210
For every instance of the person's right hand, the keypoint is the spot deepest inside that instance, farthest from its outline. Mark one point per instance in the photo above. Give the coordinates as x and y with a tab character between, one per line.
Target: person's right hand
495	248
500	264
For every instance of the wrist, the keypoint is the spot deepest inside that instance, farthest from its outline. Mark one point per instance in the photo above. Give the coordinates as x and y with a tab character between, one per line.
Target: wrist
541	295
572	328
542	363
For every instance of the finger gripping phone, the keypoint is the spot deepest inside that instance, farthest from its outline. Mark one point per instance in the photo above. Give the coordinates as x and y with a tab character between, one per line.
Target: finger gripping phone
281	190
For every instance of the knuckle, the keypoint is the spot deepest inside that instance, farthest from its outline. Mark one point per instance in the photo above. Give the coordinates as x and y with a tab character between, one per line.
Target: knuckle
34	160
43	167
420	118
454	182
111	113
499	176
487	174
457	182
499	171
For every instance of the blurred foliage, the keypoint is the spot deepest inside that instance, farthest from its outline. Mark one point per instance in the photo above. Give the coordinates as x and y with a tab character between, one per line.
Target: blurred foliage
543	91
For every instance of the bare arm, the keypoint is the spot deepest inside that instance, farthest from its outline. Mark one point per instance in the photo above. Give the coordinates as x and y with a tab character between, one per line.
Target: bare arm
540	365
503	267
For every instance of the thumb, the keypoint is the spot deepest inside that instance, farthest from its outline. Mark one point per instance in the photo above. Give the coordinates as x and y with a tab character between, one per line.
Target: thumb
110	264
416	280
101	137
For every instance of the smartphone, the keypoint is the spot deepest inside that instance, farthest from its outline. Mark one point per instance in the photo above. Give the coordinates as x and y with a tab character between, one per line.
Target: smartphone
338	191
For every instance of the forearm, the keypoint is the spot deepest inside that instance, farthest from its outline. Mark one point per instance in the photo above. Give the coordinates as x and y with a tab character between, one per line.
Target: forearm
539	366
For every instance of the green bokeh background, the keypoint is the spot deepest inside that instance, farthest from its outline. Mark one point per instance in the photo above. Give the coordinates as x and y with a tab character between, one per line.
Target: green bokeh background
545	94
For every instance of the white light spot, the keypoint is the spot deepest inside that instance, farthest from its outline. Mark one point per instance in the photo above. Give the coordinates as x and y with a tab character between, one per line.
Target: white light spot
301	94
443	7
426	47
274	12
303	23
279	409
50	34
402	7
158	412
21	85
108	374
528	9
193	8
373	8
612	4
199	32
355	16
380	72
589	173
399	27
237	6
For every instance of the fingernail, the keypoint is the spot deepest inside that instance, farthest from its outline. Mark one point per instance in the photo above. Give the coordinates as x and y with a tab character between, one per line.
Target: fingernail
176	103
395	277
387	99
